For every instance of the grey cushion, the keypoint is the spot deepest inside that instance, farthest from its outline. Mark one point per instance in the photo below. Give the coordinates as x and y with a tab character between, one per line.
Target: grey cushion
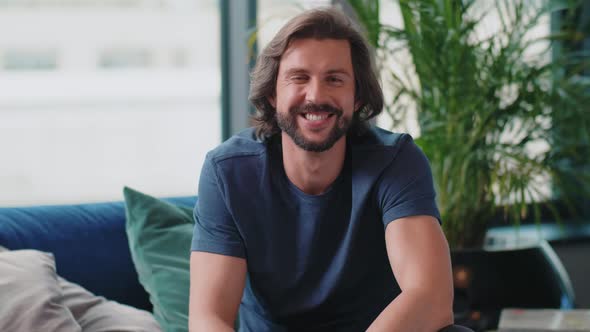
97	314
33	298
30	295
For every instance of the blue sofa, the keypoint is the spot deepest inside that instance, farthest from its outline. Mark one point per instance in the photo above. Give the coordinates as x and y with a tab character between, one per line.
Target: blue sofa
88	241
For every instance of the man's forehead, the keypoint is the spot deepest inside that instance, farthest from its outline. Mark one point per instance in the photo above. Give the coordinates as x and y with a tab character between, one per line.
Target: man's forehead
332	54
297	43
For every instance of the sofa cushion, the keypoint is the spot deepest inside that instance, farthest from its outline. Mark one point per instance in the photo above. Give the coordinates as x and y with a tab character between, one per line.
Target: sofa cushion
30	295
97	314
34	298
160	236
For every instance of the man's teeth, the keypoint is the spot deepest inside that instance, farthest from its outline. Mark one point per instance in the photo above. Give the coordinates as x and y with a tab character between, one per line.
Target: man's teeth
315	117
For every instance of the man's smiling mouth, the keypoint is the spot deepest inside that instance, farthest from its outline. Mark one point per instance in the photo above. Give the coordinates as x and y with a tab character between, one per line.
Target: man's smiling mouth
318	116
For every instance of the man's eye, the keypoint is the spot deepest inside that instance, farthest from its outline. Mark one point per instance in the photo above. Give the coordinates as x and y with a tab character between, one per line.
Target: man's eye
334	79
299	78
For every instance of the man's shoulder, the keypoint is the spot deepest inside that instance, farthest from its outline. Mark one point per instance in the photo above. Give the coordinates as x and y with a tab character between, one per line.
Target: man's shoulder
377	149
241	145
379	138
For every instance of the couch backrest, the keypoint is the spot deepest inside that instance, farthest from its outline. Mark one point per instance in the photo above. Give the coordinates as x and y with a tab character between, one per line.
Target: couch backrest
88	241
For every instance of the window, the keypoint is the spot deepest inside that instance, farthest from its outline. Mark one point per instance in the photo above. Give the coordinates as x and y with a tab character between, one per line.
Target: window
15	59
132	98
125	58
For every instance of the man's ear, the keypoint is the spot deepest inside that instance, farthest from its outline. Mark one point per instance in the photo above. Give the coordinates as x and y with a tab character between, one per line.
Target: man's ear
272	101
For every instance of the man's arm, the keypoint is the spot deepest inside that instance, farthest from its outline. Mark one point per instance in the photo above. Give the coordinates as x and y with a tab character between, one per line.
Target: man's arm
217	284
420	259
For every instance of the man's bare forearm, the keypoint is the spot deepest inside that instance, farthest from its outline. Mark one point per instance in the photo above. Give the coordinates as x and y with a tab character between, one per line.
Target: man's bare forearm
414	311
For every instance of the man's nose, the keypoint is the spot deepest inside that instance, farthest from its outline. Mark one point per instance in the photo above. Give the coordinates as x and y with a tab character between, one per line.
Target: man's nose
316	92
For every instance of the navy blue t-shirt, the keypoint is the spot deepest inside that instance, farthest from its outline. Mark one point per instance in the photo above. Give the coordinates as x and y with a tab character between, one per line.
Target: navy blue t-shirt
315	262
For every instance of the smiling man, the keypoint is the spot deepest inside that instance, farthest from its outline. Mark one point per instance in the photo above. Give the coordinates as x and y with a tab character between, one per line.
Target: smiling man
314	220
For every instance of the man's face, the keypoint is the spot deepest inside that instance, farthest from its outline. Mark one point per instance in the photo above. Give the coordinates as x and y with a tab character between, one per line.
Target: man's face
315	92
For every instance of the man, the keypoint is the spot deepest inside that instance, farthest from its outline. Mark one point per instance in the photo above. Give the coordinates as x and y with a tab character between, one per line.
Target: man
315	221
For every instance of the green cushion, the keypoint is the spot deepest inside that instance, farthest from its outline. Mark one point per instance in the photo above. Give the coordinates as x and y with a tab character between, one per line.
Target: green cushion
160	236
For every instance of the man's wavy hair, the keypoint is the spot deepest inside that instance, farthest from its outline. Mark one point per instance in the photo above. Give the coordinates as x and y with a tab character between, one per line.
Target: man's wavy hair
325	23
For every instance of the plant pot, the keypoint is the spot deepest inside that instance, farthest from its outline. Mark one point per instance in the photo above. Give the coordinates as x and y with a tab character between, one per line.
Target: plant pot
488	281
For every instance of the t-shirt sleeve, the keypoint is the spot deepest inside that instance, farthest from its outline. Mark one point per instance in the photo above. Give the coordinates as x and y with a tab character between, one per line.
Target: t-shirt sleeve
406	188
215	230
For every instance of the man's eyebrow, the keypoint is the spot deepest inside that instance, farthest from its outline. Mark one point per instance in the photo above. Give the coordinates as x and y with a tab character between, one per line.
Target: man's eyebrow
295	71
299	71
338	71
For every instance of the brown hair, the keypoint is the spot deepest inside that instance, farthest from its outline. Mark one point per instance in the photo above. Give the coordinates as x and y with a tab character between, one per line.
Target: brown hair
325	23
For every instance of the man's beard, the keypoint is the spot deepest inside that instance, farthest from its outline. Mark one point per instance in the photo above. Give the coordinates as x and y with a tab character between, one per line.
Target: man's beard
288	124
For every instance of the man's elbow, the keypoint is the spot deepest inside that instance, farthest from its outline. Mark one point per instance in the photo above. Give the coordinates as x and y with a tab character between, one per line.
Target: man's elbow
445	318
443	311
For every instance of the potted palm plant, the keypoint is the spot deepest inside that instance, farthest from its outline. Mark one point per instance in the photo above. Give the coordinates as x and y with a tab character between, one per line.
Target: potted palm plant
499	118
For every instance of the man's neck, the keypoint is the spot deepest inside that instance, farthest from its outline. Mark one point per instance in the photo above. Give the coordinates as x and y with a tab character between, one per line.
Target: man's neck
312	172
